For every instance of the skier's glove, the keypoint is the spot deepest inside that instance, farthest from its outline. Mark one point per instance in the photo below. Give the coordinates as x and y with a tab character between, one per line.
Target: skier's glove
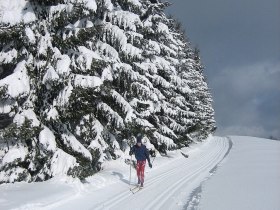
130	152
150	165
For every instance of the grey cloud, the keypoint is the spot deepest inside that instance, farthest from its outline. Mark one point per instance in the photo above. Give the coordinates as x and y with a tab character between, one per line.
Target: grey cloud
231	32
240	48
249	98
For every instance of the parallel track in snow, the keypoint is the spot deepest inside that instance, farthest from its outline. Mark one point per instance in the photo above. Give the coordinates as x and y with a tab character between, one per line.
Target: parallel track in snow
171	188
168	186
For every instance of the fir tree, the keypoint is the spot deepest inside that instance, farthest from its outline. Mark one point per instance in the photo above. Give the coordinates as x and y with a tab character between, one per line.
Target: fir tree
91	74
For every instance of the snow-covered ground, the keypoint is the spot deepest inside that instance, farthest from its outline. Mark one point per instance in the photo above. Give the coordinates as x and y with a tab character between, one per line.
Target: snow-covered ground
220	173
248	179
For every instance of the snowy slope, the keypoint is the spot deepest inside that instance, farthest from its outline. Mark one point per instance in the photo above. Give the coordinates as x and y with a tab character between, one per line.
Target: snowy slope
249	179
221	174
168	184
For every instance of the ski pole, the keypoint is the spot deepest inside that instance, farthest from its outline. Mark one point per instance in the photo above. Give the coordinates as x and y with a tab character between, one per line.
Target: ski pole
130	171
153	160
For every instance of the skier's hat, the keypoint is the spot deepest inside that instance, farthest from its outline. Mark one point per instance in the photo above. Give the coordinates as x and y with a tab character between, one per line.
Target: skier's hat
139	138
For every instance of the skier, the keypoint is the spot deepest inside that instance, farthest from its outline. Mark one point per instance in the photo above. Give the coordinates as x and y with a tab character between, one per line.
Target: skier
141	154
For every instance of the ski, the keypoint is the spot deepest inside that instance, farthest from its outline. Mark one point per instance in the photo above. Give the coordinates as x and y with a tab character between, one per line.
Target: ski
136	189
133	188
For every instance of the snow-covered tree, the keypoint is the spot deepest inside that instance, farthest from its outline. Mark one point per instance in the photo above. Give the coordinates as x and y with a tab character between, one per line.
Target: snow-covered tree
78	78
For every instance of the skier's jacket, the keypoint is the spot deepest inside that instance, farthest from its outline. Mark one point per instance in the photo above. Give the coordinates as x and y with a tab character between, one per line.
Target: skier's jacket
141	153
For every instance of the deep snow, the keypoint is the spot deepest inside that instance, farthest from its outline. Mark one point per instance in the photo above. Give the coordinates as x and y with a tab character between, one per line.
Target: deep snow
244	177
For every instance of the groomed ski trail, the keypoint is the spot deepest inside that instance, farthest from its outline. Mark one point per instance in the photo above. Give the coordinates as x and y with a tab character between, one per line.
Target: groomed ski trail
168	186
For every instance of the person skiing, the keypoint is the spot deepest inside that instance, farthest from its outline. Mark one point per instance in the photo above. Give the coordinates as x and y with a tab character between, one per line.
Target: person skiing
141	155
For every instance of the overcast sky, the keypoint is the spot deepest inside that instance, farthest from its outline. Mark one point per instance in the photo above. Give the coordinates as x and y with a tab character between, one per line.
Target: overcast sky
239	41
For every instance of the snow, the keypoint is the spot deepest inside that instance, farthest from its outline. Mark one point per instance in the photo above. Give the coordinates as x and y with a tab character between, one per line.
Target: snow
21	86
52	114
168	50
130	51
13	12
163	64
113	34
109	189
61	163
162	28
126	107
71	141
220	173
19	119
56	10
13	175
185	89
125	19
95	145
63	65
91	4
134	36
108	5
50	75
164	129
88	56
44	44
107	74
47	139
87	81
15	152
248	179
163	139
8	57
31	36
135	2
147	66
153	47
158	80
107	51
69	69
112	116
5	107
143	123
148	24
89	24
64	95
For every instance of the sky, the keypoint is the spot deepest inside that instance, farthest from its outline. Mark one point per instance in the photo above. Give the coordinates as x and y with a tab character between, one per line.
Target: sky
239	42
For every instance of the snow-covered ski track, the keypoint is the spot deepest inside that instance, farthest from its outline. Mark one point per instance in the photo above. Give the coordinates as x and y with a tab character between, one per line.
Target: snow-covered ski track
169	187
174	183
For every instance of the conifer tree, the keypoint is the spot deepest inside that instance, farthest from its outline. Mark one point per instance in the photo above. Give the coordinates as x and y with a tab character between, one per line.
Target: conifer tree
89	75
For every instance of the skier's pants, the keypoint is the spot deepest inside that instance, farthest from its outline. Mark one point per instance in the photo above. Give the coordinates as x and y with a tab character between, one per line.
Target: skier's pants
140	168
